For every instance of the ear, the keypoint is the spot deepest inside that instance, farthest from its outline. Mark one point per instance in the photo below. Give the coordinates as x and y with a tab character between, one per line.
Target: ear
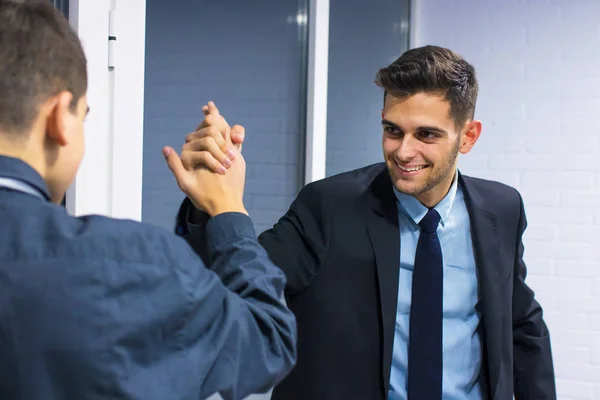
58	112
471	133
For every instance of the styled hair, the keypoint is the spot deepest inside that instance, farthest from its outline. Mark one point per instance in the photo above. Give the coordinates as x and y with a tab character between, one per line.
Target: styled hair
433	70
40	56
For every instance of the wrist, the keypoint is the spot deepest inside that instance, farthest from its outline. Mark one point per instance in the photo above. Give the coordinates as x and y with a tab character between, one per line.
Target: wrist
221	208
196	215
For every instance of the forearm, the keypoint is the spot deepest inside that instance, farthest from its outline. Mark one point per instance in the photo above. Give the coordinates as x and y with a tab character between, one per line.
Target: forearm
261	339
198	330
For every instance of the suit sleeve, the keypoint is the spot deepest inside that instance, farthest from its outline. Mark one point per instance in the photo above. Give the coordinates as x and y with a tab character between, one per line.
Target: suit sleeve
193	230
297	243
199	330
533	365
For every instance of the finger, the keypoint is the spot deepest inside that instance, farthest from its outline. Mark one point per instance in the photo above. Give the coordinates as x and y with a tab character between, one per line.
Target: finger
206	144
218	122
213	132
210	131
223	127
176	167
224	144
238	133
207	110
205	122
202	159
212	117
212	108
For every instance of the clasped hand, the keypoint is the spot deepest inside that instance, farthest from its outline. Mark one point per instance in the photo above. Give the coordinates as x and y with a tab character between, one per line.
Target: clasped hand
211	170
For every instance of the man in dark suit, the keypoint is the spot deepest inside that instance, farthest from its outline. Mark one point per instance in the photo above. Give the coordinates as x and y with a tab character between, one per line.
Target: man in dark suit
406	278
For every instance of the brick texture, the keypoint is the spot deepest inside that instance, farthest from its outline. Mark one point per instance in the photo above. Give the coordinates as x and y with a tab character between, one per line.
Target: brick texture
539	72
363	37
247	57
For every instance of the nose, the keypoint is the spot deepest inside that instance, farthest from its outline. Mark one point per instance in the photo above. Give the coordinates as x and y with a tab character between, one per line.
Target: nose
407	148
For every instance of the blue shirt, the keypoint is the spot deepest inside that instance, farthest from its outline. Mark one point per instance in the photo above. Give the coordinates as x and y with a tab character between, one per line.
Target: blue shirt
462	347
94	307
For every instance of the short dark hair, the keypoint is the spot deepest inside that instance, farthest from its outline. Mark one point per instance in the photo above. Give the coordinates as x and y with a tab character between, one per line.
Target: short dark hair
40	56
433	70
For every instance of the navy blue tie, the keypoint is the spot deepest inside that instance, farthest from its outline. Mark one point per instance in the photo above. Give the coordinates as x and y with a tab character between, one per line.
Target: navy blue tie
425	332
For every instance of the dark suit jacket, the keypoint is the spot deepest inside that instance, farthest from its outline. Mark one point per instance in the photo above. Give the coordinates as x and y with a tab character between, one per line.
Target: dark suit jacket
339	248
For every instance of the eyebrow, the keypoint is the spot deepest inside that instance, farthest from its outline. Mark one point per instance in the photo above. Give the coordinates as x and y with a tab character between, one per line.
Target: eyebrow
87	111
419	128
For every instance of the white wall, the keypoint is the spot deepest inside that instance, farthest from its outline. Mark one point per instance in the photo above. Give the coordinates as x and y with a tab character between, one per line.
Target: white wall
539	69
128	116
109	181
91	191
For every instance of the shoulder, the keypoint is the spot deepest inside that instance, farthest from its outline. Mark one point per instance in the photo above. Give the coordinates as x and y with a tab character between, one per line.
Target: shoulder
495	197
128	241
489	186
51	233
347	184
493	191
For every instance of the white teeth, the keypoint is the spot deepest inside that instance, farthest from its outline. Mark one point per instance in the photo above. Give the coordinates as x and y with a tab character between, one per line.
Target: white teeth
412	169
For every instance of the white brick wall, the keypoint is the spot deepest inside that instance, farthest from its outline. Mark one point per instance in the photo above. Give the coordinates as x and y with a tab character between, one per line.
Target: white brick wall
539	68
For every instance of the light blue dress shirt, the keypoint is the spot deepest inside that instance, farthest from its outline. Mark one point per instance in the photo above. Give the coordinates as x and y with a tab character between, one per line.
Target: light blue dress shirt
462	347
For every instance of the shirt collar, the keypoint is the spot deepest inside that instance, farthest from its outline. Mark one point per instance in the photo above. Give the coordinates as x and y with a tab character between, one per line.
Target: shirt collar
17	169
413	208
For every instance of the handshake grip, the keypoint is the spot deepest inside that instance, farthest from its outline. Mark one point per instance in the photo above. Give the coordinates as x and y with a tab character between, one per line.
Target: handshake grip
211	170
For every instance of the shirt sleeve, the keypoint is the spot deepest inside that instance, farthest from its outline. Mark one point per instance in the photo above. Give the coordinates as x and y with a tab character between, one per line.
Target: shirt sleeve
224	328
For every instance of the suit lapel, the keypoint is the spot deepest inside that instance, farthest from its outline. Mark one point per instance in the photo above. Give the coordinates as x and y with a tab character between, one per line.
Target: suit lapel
385	238
484	234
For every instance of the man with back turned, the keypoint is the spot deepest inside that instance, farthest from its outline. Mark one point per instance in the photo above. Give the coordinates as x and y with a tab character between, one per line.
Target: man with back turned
93	307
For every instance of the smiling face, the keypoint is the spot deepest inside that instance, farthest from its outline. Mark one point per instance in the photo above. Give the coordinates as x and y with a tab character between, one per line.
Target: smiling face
429	104
421	144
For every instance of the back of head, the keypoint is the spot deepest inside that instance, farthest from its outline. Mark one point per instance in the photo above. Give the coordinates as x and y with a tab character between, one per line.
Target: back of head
433	70
40	56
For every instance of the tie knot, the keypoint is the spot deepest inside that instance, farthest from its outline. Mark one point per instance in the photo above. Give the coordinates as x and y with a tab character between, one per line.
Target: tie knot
430	221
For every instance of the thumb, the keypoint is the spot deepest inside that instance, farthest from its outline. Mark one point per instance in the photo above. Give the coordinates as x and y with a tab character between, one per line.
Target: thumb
175	165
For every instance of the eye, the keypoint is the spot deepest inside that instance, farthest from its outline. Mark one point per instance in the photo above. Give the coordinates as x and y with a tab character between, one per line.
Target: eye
390	130
428	134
